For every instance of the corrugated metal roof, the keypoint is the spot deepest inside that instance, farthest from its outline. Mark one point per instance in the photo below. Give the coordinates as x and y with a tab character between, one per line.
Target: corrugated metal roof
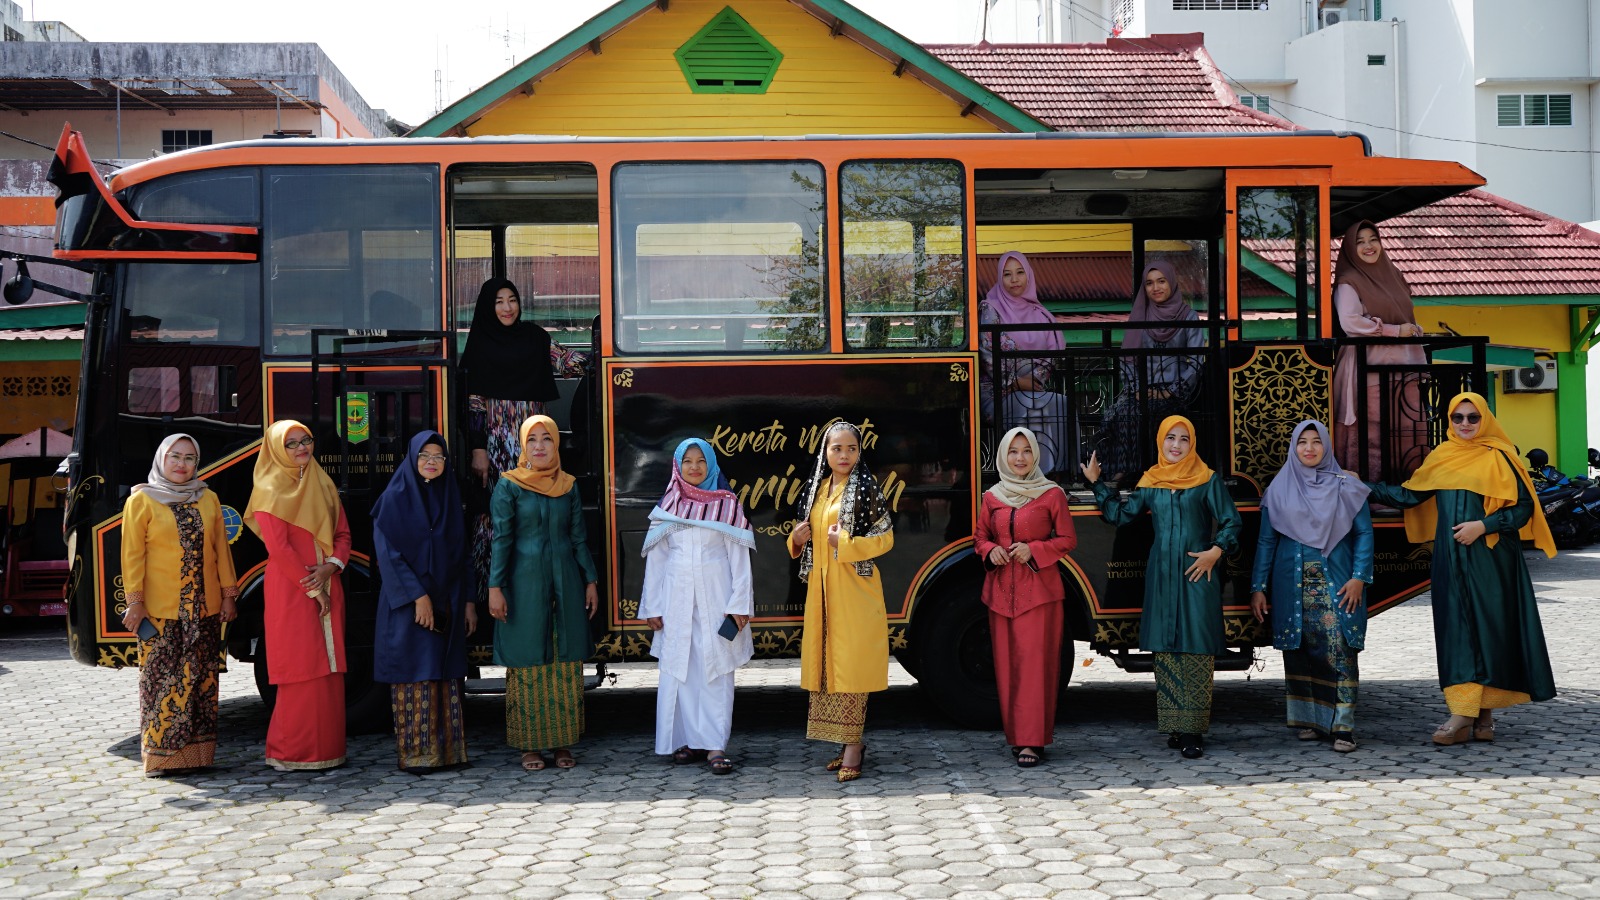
1480	245
1166	82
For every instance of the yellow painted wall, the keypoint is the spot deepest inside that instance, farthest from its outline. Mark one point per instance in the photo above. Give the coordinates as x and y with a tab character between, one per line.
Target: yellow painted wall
1530	419
825	85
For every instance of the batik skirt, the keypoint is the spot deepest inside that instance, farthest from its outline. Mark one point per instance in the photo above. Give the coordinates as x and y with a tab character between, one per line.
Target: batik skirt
1321	677
178	694
429	730
544	706
1183	692
836	718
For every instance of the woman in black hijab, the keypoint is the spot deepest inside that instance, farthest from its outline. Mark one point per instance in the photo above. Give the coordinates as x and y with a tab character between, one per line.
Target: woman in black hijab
509	367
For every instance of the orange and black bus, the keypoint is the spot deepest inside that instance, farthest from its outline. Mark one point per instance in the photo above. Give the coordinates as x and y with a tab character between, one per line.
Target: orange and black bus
749	291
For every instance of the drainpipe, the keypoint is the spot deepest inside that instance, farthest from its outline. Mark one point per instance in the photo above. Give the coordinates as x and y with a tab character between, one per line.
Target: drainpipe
1401	145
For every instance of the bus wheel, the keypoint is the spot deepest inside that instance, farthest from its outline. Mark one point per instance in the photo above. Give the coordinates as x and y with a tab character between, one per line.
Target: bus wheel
956	658
264	687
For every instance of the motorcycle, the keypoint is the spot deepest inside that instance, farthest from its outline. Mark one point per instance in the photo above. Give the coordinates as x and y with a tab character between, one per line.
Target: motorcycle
1571	504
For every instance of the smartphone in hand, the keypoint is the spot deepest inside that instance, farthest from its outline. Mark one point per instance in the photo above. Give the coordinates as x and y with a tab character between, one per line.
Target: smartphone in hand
730	627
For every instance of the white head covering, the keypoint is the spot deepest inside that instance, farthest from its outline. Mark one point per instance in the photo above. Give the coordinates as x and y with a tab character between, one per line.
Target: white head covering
1013	489
163	490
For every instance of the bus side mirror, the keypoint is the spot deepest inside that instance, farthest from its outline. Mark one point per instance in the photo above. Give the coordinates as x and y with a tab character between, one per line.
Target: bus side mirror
20	287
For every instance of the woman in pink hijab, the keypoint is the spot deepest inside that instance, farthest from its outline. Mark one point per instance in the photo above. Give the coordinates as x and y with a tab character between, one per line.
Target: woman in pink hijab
1025	395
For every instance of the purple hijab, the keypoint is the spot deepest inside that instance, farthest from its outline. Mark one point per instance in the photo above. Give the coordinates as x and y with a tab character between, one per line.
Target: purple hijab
1022	310
1175	309
1315	505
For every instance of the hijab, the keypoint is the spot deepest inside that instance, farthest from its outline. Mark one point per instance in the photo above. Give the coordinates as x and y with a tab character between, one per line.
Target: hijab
1181	475
685	505
1174	309
1483	466
550	480
506	362
1314	505
1016	490
422	518
1022	310
164	490
863	512
303	497
1381	287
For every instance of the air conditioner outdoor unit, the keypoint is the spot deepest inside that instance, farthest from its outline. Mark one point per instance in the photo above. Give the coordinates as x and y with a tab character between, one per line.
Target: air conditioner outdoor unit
1332	16
1538	378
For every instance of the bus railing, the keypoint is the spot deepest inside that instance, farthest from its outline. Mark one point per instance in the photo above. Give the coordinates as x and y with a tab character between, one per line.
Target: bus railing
1098	398
1401	415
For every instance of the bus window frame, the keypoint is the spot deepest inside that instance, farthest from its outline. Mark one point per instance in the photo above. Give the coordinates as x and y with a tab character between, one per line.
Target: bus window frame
1320	178
969	279
828	307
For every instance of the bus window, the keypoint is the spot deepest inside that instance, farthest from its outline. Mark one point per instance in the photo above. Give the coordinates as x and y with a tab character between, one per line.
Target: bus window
904	248
193	303
537	225
153	390
353	247
1279	263
719	257
210	197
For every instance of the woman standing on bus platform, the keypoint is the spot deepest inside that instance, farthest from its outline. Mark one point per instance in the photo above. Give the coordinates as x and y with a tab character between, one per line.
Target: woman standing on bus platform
296	512
1314	557
1372	299
424	613
1476	504
1024	528
177	572
696	582
542	591
507	380
1025	394
1170	380
1182	620
844	649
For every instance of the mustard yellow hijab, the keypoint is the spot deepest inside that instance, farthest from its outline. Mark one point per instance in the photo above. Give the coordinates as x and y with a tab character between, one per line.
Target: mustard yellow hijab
1476	466
550	480
1186	473
306	498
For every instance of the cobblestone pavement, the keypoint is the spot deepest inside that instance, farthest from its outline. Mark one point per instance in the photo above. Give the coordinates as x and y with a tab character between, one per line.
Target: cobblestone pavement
941	812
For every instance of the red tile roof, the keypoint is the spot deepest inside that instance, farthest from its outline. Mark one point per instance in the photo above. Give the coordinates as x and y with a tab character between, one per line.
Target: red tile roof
1480	245
1165	82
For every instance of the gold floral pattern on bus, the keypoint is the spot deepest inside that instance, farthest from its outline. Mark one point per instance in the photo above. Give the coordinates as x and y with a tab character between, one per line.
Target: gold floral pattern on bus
1272	392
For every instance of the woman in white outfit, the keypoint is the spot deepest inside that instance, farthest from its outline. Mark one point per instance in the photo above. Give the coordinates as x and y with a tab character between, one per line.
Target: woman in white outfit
698	600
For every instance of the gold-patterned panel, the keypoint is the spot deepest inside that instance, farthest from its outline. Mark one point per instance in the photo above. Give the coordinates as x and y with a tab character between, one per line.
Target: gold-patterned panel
1276	389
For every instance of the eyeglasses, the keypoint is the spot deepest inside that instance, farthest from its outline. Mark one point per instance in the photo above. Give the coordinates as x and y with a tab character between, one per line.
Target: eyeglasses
1469	418
431	458
306	442
187	459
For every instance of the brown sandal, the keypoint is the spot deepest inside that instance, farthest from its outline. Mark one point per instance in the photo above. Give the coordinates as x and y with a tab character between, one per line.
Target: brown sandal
533	761
1445	736
721	764
1483	731
564	759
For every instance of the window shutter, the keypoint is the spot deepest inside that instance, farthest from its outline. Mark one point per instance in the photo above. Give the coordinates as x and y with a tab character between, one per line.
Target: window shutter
727	56
1535	109
1560	109
1510	106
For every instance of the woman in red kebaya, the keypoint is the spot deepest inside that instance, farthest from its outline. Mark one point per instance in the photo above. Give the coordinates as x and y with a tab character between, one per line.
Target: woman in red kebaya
1024	528
296	512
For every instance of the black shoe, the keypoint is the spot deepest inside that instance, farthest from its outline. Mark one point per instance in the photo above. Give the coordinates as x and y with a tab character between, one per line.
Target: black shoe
1173	742
1192	748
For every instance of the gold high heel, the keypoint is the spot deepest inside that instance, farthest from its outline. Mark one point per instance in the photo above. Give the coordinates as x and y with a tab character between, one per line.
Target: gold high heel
851	773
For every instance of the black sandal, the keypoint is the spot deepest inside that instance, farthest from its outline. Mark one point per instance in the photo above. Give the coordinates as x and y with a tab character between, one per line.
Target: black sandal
1028	757
687	754
721	764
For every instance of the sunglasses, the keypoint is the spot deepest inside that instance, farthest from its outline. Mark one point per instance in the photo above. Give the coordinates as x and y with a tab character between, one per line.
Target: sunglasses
306	441
1469	418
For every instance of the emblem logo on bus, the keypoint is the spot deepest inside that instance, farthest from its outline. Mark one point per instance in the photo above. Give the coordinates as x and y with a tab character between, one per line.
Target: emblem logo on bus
232	523
357	421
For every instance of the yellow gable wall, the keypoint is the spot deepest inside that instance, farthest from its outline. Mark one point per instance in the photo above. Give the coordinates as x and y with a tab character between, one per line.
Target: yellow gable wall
1530	419
825	85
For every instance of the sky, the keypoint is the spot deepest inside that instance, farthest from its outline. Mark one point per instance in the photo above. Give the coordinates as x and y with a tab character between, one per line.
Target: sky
391	50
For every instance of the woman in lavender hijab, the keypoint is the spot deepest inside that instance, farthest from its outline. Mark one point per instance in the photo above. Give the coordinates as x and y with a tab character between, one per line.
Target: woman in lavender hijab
1026	399
1171	381
1314	559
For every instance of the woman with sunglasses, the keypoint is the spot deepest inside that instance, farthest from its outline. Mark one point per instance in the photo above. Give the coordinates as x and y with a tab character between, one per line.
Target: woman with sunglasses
1476	504
296	512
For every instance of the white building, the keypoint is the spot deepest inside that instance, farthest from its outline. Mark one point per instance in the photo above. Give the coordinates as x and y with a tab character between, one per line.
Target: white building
17	27
1506	87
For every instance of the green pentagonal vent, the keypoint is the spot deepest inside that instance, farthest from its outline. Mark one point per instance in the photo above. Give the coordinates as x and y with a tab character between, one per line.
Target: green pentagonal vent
728	57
